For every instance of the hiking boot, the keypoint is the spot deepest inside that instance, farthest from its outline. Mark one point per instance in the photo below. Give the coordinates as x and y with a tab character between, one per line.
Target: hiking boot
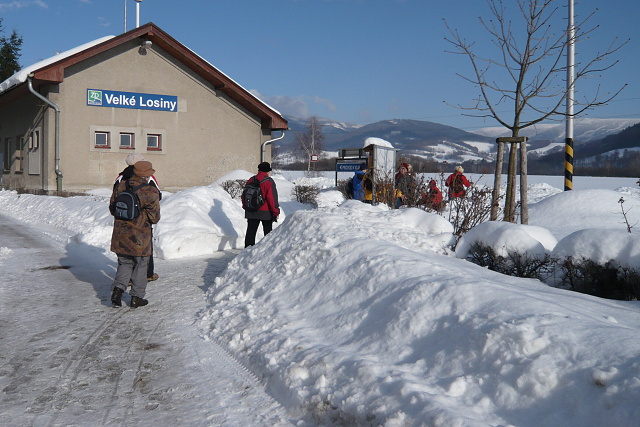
116	297
152	278
138	302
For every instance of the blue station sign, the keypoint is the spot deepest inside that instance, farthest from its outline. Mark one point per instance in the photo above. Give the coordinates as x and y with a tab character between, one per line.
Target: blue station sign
348	167
135	100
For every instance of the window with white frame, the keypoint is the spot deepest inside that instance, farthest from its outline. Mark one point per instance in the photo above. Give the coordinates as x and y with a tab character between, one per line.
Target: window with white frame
154	141
127	140
102	139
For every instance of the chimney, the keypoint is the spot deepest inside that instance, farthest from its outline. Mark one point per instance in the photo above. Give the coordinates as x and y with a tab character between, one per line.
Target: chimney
138	13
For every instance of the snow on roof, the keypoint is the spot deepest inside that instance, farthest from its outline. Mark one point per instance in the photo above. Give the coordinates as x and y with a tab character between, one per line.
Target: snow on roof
21	76
377	141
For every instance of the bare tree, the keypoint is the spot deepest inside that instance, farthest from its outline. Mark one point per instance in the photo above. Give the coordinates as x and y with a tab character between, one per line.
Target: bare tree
311	141
527	76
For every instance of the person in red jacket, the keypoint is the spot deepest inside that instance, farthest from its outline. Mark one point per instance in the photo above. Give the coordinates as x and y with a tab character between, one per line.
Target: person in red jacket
457	183
269	211
432	199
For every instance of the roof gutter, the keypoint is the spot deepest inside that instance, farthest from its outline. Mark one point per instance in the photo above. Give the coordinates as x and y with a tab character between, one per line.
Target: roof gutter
263	147
57	135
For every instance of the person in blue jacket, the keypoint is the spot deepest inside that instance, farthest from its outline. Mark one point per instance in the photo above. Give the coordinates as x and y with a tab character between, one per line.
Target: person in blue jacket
358	177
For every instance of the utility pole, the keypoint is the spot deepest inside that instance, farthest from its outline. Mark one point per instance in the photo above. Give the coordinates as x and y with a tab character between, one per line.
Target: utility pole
568	149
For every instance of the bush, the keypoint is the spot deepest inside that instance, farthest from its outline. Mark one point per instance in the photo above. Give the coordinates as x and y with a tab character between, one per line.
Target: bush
584	276
514	264
605	281
342	187
307	194
234	187
468	211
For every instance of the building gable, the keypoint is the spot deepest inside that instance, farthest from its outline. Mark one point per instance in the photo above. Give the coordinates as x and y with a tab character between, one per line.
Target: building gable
53	73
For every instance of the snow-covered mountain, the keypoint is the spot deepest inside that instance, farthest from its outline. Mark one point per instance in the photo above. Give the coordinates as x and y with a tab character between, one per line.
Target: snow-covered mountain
441	143
584	130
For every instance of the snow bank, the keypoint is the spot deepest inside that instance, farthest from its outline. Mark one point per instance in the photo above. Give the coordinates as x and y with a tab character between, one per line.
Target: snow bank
601	246
357	315
505	238
570	211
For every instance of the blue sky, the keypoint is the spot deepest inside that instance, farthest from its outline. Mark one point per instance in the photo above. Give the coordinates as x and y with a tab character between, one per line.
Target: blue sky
357	61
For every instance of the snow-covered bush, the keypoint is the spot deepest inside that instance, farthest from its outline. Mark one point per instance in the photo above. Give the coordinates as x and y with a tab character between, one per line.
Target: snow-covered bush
513	264
234	187
307	194
605	281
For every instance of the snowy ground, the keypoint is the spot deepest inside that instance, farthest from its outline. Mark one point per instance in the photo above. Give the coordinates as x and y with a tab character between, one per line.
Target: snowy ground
345	315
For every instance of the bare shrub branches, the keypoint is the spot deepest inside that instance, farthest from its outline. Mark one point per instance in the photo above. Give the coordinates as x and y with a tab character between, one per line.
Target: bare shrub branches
472	209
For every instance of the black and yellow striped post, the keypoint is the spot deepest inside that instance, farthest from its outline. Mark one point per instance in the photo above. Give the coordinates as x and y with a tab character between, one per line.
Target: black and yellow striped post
568	142
568	164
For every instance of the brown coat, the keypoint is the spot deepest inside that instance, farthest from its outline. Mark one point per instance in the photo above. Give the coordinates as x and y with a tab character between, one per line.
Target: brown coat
133	237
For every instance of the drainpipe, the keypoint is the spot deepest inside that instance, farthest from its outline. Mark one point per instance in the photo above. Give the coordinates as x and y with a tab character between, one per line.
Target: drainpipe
57	137
263	147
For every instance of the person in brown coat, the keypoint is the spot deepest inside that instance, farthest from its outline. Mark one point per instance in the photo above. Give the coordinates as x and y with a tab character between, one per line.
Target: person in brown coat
131	240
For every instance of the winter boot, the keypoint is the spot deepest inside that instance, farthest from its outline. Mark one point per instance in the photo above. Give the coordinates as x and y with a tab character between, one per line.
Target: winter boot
116	297
138	302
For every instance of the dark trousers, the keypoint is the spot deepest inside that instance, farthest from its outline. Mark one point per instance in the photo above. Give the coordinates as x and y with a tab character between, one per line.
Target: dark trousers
150	265
252	229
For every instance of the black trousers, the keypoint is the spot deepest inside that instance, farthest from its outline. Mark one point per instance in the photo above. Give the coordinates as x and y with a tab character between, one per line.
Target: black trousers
252	229
150	265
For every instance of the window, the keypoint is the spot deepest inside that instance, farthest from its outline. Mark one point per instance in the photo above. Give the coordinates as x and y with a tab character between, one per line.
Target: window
6	154
126	140
19	145
102	139
154	142
34	140
34	157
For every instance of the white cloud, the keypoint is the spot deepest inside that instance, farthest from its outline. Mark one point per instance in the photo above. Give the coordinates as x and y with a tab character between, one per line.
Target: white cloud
19	4
326	103
13	5
295	107
103	22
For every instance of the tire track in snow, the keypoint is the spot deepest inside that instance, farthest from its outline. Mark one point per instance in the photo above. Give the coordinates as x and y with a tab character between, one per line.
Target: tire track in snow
69	388
70	359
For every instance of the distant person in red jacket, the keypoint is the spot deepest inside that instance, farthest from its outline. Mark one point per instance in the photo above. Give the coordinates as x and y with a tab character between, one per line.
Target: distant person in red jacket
432	199
457	183
268	212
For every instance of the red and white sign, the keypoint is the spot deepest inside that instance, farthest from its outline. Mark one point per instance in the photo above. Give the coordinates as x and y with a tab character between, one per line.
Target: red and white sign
314	157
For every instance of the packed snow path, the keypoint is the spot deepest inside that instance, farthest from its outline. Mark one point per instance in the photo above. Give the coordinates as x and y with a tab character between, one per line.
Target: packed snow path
68	358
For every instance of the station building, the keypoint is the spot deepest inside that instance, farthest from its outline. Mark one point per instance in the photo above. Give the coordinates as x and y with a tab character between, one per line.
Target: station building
68	123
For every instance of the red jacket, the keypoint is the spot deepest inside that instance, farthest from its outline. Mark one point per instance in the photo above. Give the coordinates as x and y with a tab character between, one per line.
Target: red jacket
449	183
271	208
433	197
